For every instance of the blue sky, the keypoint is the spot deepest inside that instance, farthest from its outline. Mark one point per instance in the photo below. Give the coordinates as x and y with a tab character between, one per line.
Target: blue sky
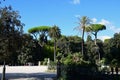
64	13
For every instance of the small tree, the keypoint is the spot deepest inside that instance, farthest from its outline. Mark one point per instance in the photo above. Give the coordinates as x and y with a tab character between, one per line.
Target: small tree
55	33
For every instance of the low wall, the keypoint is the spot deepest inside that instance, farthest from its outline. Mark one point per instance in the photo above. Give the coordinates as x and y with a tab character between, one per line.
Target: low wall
24	69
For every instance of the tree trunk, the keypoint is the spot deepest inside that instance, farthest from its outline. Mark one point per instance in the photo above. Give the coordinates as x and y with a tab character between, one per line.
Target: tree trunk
3	74
54	50
95	38
83	41
97	48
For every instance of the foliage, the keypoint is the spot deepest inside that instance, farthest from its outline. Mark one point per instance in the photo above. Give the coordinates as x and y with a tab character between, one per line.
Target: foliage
26	52
55	33
74	67
69	44
52	66
11	29
48	51
25	57
89	49
42	32
112	50
83	22
39	28
94	29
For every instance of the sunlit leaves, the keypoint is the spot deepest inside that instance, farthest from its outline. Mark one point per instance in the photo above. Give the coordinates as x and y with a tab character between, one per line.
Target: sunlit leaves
39	29
95	27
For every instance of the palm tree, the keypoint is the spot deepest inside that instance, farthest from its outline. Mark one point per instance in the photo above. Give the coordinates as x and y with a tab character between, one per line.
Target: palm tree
55	33
83	22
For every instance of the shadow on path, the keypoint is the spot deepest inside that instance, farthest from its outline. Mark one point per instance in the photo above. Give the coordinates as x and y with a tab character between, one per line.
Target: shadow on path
38	76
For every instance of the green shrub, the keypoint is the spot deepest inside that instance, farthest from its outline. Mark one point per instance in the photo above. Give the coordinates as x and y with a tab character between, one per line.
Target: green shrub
74	67
52	65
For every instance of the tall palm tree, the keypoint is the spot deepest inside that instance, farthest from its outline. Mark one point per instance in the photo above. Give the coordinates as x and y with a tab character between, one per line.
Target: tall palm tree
83	22
55	33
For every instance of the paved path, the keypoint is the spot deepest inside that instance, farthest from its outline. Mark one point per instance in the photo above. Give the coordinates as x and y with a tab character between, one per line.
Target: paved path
27	73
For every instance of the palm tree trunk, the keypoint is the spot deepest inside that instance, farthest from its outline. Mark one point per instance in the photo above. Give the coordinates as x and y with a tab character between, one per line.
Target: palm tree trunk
54	51
83	41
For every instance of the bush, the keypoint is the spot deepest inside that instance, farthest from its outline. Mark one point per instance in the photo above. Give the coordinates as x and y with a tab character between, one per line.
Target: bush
74	67
52	65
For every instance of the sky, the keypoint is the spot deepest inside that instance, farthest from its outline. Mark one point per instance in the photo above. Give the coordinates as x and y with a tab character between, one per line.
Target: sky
65	13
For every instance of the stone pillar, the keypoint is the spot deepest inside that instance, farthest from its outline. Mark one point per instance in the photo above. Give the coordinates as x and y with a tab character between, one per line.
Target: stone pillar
39	63
48	62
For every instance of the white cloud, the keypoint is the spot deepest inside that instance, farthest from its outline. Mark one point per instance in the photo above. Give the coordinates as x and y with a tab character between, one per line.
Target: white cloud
104	37
115	29
108	24
105	22
94	20
75	1
77	16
